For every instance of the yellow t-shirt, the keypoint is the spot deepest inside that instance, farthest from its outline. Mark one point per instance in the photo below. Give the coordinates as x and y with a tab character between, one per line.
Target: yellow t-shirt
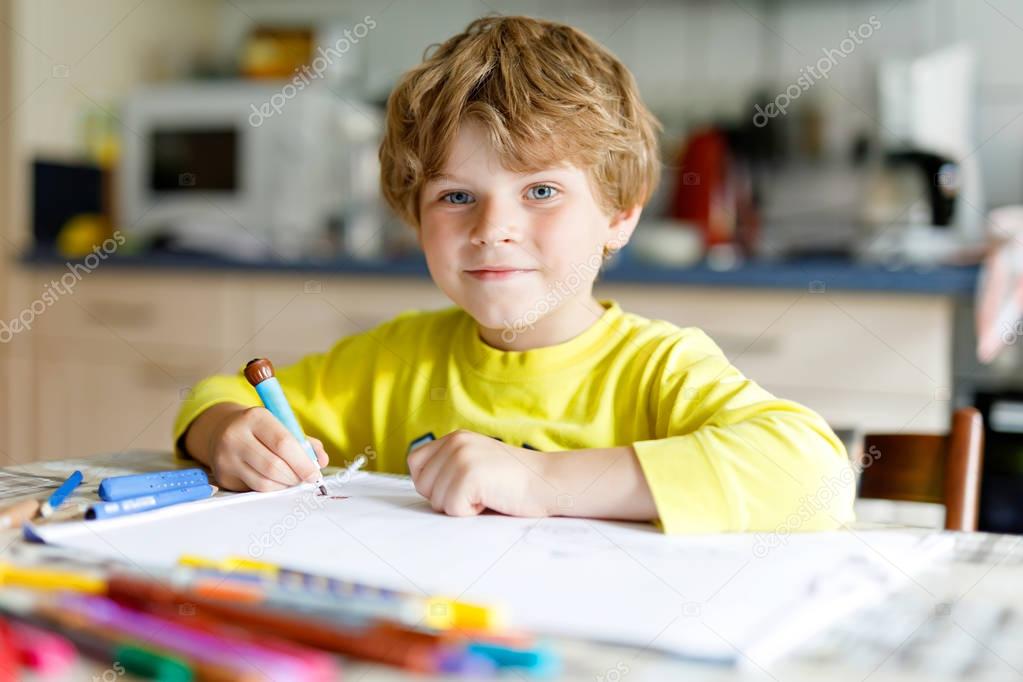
718	451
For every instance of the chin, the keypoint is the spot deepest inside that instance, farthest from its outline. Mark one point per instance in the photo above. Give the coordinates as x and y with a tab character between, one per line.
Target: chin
500	315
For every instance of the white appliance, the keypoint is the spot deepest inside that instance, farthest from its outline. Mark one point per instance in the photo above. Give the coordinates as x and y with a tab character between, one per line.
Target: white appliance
261	169
929	103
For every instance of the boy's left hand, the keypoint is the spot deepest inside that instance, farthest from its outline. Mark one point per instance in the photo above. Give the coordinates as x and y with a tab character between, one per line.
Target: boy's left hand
465	472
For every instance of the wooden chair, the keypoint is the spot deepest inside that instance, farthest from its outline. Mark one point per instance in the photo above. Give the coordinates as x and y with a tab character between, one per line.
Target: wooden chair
945	469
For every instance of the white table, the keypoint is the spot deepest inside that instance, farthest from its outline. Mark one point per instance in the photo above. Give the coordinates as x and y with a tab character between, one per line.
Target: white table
985	573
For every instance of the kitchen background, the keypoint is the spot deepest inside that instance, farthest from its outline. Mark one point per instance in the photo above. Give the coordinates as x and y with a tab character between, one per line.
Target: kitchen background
189	184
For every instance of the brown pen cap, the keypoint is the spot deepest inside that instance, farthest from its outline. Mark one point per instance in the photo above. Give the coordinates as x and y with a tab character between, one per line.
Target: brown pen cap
258	370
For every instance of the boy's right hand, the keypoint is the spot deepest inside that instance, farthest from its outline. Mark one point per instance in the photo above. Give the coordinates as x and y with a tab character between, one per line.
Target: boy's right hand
249	449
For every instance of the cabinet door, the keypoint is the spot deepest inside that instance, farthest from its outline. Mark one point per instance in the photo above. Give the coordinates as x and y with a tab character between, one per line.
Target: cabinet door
290	317
6	431
138	308
17	379
92	400
870	361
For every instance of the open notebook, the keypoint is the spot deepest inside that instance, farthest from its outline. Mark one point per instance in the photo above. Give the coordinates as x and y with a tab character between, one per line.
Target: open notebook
726	598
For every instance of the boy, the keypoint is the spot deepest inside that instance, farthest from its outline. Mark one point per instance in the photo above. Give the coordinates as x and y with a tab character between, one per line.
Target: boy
520	152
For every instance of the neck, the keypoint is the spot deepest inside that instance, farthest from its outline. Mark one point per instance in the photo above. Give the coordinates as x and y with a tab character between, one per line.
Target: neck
567	321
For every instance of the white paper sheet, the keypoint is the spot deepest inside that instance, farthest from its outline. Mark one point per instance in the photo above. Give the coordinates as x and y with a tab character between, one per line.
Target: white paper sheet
739	597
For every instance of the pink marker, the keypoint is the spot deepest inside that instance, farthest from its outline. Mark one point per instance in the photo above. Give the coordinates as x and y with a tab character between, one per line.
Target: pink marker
44	652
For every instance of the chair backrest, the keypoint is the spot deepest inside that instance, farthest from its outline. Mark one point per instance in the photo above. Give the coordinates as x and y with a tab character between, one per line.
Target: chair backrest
930	468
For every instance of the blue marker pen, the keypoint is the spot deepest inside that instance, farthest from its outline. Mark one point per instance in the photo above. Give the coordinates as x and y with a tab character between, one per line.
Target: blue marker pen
134	505
135	485
260	373
62	493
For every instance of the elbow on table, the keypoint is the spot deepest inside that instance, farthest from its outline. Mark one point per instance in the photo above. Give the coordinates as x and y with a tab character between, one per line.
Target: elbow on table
825	490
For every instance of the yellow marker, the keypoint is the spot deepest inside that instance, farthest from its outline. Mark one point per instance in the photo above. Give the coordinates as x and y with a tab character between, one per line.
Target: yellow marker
445	614
228	565
251	565
49	580
440	612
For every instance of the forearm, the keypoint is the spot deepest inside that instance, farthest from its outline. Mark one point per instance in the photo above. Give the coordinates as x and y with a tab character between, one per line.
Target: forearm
198	438
597	483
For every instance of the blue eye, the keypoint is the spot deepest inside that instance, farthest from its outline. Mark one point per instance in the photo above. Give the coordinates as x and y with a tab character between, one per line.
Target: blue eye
458	198
542	192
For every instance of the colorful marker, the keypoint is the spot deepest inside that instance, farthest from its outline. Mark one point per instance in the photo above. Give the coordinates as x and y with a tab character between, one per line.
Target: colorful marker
134	505
136	485
105	645
49	579
440	613
62	493
43	652
378	642
260	373
540	661
167	635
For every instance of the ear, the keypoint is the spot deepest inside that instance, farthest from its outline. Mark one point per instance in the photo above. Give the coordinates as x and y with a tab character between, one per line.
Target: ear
621	228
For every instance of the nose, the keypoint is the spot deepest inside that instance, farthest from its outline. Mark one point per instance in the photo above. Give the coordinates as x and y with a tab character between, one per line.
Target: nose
494	224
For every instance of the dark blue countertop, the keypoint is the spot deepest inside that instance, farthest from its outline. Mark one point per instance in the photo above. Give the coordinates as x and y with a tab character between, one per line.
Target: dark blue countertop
807	274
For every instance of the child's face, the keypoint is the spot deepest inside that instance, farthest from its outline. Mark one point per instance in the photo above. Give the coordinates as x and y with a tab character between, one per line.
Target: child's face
512	249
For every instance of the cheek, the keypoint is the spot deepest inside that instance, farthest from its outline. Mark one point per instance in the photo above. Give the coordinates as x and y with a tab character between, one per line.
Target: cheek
574	239
437	236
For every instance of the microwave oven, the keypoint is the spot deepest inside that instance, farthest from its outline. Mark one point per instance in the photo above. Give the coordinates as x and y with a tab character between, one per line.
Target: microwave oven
217	163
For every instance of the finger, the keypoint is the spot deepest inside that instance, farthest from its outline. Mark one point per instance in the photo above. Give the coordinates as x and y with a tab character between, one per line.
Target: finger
247	449
256	481
279	441
270	465
458	498
322	458
223	477
418	458
444	481
429	472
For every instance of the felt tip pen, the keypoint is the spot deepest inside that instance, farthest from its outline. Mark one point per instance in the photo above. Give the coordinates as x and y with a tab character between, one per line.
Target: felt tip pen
538	661
122	487
376	642
45	653
440	613
158	599
134	505
106	645
50	579
260	373
62	493
167	635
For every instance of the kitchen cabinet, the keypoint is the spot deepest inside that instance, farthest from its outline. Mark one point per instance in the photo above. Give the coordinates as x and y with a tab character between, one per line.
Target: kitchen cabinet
92	398
867	361
106	366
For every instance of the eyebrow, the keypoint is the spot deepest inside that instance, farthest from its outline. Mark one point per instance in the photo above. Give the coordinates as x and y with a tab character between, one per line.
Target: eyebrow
454	178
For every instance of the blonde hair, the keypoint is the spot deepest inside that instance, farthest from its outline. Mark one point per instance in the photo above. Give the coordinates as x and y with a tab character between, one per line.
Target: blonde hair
546	94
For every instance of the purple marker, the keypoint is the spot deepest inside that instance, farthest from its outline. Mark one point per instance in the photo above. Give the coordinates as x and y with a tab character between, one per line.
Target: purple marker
200	645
